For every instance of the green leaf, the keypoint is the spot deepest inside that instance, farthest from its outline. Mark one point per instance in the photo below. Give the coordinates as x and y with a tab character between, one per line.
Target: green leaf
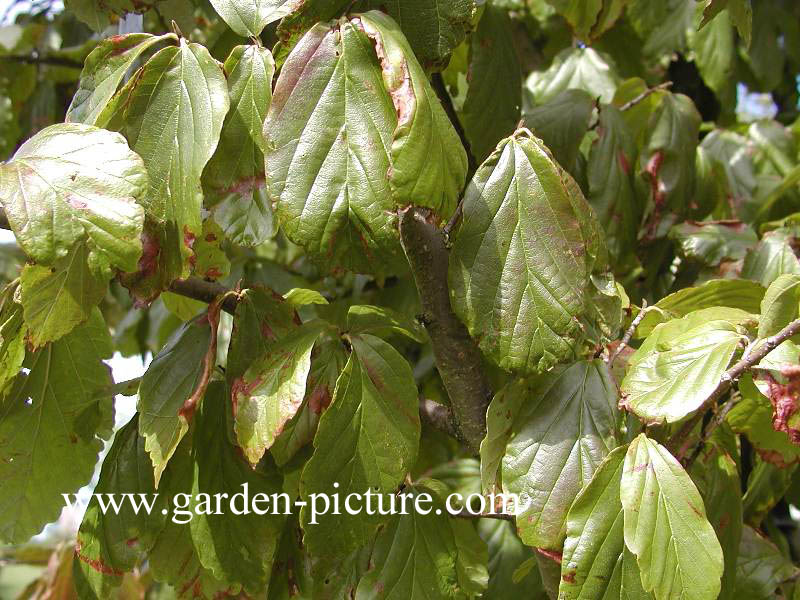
761	567
771	258
580	14
182	307
665	525
98	13
500	418
491	108
767	484
527	231
561	123
171	112
261	317
728	299
668	157
381	321
780	306
248	19
428	162
433	27
175	376
235	173
304	297
506	554
51	428
367	438
610	175
111	542
677	367
426	556
271	391
327	362
381	141
567	425
575	68
712	243
71	183
715	54
333	197
752	417
595	562
740	13
104	69
716	473
237	548
210	262
57	299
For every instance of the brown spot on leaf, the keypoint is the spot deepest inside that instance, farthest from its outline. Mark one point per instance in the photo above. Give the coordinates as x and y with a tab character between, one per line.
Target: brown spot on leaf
569	577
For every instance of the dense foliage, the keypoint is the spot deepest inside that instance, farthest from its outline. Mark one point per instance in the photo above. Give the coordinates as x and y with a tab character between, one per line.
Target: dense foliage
542	247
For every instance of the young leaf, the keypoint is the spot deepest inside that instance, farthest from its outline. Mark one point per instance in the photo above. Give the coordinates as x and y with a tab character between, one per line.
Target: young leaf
248	19
595	562
367	439
492	107
271	391
327	141
235	173
677	368
447	558
58	298
171	387
237	548
74	182
172	111
51	428
103	71
562	432
665	525
522	259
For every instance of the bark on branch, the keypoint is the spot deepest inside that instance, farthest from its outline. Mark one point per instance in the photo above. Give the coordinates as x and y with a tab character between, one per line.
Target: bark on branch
457	357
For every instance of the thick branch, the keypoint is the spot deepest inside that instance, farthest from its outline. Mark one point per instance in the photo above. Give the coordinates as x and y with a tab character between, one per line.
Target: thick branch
728	378
457	357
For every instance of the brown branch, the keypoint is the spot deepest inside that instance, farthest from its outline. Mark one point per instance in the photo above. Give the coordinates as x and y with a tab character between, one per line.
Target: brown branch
465	514
457	357
204	291
626	339
437	416
641	97
730	376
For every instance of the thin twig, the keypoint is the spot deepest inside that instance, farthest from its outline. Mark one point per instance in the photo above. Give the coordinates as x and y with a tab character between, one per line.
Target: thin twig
626	339
465	514
727	380
631	103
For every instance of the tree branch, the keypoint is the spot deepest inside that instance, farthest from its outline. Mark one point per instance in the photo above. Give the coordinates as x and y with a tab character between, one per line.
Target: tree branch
457	357
626	339
678	441
641	97
437	416
465	514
